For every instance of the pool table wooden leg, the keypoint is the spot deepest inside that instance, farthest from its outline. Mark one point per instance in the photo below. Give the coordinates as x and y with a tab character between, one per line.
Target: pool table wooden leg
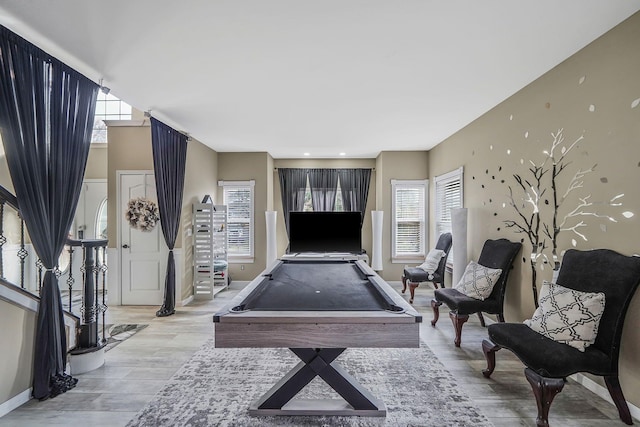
318	362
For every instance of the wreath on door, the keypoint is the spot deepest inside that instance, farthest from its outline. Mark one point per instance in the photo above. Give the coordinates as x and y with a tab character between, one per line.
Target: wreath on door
142	214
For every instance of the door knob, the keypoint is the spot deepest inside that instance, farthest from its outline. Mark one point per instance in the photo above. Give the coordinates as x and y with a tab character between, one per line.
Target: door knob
125	246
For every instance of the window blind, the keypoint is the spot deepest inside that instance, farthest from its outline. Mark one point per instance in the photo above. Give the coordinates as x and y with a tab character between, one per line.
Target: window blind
238	197
409	219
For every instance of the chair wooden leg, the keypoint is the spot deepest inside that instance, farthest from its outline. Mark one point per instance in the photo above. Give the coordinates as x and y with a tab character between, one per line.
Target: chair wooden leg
412	290
458	321
545	389
435	306
613	385
404	284
489	349
481	319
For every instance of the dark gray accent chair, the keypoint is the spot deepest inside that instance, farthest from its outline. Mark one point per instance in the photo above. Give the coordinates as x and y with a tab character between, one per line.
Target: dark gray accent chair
414	275
498	253
548	363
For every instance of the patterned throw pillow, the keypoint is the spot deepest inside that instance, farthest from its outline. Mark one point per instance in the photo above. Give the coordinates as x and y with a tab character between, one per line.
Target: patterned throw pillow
567	316
432	260
478	281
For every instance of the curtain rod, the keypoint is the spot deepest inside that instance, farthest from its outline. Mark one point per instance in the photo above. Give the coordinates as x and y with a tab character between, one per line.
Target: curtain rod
372	169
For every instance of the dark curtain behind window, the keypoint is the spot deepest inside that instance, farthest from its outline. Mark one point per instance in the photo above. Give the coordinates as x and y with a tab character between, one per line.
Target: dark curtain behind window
354	184
293	184
46	119
169	159
324	187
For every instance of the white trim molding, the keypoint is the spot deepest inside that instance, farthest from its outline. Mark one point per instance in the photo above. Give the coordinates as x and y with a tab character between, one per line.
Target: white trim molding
602	391
15	402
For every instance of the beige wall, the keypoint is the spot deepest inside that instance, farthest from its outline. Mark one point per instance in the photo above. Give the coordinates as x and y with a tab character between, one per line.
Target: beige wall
200	179
395	165
16	351
129	149
245	167
97	162
588	95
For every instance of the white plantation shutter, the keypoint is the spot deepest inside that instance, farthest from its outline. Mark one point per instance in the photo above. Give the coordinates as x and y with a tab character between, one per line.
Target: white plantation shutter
448	196
409	219
238	197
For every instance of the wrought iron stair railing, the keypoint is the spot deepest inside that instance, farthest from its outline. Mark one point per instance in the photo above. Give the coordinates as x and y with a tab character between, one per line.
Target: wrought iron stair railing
89	303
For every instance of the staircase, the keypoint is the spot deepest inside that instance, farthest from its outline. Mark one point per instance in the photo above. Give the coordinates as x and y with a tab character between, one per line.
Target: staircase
84	303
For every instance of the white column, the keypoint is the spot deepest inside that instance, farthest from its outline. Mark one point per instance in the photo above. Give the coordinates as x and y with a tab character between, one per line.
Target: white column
459	235
272	244
376	225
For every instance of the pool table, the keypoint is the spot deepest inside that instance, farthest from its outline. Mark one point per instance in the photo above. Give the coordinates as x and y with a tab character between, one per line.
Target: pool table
317	308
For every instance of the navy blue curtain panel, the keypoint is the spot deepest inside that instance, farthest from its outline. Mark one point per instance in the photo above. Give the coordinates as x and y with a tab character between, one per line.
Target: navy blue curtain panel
324	188
354	184
293	184
169	160
46	119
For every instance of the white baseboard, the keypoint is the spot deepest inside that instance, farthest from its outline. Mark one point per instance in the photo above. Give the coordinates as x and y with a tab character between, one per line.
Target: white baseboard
602	391
15	402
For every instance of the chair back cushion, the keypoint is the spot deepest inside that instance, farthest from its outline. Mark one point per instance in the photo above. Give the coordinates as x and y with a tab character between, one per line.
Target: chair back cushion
568	316
500	254
432	260
606	271
444	244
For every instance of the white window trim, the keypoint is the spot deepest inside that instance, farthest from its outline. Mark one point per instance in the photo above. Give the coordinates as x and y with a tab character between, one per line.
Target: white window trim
243	259
399	259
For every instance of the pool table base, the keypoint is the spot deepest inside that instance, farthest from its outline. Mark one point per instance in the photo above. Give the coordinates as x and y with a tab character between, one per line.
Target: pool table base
318	362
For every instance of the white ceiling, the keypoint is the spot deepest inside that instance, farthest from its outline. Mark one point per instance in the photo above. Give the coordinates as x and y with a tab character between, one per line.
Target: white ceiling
323	76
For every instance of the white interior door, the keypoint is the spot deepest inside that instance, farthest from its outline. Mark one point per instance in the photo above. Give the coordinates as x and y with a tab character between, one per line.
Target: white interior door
143	258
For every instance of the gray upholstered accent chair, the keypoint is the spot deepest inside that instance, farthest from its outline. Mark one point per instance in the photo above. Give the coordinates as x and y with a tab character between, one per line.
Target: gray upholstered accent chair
414	275
548	362
498	253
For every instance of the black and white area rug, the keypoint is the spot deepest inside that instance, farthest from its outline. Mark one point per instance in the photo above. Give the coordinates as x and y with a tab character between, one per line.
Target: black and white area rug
216	386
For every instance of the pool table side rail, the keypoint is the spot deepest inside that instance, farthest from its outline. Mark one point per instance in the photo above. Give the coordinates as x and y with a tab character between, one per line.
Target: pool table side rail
317	335
226	315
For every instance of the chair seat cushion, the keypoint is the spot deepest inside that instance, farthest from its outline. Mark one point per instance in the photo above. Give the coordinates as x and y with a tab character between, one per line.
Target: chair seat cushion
415	274
462	304
550	358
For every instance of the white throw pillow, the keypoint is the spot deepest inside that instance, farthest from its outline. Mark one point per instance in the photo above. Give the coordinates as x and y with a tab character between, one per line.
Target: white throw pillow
478	281
568	316
432	260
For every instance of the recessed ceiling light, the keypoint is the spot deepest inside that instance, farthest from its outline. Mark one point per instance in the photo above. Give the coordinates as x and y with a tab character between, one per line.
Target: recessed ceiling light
307	154
343	154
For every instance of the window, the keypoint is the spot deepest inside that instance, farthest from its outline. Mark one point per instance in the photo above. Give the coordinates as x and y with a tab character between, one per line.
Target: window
409	231
448	196
238	197
108	107
308	206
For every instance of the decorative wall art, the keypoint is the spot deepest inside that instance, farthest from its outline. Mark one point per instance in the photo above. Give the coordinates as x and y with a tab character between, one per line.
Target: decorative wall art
548	202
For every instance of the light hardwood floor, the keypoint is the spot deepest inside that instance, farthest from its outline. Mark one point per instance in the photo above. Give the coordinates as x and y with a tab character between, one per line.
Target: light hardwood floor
136	369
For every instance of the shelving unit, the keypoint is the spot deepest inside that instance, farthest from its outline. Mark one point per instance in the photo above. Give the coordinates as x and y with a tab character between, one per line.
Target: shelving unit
211	274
